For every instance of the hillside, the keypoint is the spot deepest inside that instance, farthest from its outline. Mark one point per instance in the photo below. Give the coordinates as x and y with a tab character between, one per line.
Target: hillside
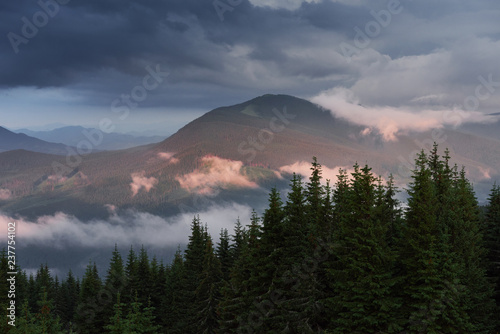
229	154
72	135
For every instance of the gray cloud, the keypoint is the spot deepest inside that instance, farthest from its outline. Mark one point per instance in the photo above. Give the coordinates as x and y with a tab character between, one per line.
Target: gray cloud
430	54
61	231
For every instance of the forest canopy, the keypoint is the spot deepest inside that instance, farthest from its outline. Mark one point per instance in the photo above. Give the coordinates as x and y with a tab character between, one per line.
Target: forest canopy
329	258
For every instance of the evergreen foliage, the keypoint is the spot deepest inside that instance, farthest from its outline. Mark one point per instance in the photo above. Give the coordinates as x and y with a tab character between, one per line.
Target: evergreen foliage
337	259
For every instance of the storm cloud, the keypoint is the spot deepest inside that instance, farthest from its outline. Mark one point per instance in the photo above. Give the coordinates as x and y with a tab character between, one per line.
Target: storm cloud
429	55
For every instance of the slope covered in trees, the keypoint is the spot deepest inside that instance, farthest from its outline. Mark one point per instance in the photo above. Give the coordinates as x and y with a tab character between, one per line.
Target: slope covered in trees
346	258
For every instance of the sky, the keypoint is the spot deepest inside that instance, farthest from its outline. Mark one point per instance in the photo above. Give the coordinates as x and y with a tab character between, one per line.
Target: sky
150	65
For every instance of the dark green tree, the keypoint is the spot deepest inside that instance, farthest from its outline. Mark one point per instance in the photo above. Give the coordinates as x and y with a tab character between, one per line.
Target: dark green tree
208	293
133	279
223	252
364	273
172	296
468	246
89	318
192	270
114	283
432	290
492	242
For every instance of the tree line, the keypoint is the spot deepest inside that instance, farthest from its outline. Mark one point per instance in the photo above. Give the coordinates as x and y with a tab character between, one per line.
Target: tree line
347	258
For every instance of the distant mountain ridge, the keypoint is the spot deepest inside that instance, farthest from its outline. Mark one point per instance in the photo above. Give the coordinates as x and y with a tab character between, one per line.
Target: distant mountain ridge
72	135
231	153
15	141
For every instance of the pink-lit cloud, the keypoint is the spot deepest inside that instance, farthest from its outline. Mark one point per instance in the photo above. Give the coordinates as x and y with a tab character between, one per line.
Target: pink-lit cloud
139	181
168	156
391	121
215	173
485	172
5	194
304	168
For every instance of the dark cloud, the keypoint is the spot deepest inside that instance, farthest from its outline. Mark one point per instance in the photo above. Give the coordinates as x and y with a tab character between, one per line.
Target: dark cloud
98	49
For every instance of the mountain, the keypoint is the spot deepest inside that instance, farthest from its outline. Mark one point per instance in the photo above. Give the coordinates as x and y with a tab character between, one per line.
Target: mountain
230	154
491	130
72	135
14	141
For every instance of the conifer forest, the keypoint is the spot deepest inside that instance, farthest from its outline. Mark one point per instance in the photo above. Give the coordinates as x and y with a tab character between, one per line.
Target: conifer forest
342	257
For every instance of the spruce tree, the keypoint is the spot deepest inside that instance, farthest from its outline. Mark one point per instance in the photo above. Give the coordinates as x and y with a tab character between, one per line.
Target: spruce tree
145	277
467	243
314	202
172	297
133	279
223	252
297	282
208	293
192	269
432	291
117	323
138	320
492	242
115	282
89	318
364	272
235	313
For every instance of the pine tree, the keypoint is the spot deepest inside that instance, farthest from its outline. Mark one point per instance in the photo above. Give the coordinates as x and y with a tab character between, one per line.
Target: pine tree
492	241
238	243
315	202
114	283
25	322
138	320
145	277
235	313
89	318
467	243
117	324
158	279
224	254
432	291
208	293
193	266
133	279
66	300
172	296
297	283
365	269
46	321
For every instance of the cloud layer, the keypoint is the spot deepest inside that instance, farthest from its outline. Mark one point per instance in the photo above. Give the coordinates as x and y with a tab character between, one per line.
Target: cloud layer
391	121
61	230
216	173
